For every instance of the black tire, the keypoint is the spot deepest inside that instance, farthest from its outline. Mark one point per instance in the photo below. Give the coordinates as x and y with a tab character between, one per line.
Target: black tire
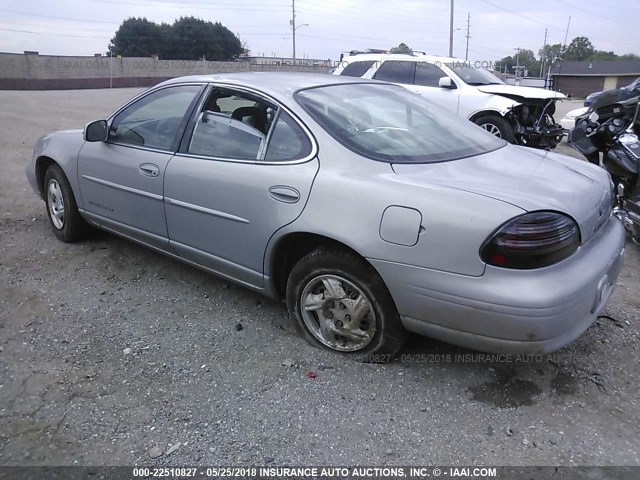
388	335
73	227
503	126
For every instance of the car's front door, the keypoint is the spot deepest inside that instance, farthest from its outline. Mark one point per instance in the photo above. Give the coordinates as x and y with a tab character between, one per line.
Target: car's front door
421	77
244	170
427	84
121	179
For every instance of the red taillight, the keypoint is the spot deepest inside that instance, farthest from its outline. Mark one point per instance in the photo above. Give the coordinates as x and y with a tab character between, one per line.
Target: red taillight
532	240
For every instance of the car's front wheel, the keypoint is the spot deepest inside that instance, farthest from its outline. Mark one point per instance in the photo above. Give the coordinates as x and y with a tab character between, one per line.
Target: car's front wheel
62	209
497	126
340	302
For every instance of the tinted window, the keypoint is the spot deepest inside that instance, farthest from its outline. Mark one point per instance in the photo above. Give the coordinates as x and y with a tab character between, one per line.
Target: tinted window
396	71
474	76
155	119
232	125
288	141
357	69
389	123
428	74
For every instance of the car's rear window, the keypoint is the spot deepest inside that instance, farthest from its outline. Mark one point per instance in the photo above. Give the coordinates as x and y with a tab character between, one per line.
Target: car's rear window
388	123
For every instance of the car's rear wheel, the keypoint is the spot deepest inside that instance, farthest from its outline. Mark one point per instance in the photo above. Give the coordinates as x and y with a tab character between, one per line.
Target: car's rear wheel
62	209
497	126
340	302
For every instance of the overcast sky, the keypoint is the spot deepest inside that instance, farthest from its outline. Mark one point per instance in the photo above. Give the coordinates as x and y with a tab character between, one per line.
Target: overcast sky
84	27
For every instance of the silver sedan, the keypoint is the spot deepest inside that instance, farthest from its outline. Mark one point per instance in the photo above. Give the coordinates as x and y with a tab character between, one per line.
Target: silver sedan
371	211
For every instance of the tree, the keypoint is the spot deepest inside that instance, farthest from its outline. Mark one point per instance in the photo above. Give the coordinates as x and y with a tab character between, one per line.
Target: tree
137	37
401	48
188	38
525	59
600	55
551	53
580	48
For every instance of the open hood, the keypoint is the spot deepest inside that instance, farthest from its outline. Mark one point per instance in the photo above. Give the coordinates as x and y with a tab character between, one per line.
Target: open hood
512	91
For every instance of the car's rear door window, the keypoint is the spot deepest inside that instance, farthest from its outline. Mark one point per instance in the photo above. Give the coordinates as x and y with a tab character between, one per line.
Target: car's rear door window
238	125
288	141
396	71
357	69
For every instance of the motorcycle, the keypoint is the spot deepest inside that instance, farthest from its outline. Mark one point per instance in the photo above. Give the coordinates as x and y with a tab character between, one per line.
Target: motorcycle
607	135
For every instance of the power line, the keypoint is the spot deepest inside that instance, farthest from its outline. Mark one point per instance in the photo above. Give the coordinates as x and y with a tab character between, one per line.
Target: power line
53	34
520	15
598	15
233	7
55	18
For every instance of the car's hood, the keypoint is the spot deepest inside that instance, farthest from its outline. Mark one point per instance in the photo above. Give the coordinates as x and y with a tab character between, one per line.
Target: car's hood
524	92
530	179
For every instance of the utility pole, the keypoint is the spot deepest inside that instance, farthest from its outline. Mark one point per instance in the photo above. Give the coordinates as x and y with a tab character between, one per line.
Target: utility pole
293	25
544	54
450	31
517	63
466	52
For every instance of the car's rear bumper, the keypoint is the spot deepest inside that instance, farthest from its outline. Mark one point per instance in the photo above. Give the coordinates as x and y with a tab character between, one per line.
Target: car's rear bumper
515	311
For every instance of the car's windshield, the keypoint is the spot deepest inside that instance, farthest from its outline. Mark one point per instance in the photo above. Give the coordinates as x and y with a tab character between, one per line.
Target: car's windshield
474	76
389	123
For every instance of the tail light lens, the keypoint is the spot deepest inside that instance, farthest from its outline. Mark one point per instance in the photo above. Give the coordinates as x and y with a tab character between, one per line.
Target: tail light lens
532	240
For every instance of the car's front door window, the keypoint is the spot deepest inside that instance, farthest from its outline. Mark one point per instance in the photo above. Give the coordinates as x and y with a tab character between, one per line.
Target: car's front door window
428	75
154	120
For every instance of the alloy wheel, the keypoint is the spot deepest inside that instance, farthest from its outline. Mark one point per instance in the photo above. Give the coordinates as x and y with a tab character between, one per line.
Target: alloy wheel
337	313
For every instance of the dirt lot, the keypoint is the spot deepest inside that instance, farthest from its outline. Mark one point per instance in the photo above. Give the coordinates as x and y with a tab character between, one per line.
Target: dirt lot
108	350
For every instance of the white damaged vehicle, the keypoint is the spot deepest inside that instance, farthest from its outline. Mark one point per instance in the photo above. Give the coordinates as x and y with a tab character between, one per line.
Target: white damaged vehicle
520	115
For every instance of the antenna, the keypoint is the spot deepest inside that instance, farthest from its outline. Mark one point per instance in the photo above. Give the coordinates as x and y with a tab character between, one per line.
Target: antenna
567	32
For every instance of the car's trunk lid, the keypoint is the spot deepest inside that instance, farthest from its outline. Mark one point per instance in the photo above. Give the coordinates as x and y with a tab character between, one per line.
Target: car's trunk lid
530	179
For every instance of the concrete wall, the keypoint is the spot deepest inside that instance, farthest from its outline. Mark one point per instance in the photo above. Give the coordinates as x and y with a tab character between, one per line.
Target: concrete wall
48	72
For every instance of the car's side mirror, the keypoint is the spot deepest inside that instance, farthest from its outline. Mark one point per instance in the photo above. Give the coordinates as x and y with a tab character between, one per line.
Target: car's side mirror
445	82
97	131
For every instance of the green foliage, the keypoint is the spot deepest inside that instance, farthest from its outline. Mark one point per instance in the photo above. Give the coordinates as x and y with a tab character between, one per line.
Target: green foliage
580	48
600	55
551	53
526	59
401	48
188	38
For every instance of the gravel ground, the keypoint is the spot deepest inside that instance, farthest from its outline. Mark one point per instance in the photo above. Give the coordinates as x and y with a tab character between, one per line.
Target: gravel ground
112	354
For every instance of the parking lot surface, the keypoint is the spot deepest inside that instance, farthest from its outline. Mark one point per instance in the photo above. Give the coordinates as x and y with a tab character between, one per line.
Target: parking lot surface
112	354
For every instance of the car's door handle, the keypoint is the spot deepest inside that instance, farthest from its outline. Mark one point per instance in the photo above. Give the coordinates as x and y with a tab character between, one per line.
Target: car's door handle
285	194
149	169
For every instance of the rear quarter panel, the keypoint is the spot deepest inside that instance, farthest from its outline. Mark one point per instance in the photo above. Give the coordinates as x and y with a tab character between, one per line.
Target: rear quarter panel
351	193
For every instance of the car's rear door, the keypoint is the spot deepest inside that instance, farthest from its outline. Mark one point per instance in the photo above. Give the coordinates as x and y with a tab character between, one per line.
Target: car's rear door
121	180
244	170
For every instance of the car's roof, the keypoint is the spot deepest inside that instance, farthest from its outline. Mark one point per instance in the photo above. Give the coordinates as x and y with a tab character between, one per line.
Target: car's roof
279	84
400	56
